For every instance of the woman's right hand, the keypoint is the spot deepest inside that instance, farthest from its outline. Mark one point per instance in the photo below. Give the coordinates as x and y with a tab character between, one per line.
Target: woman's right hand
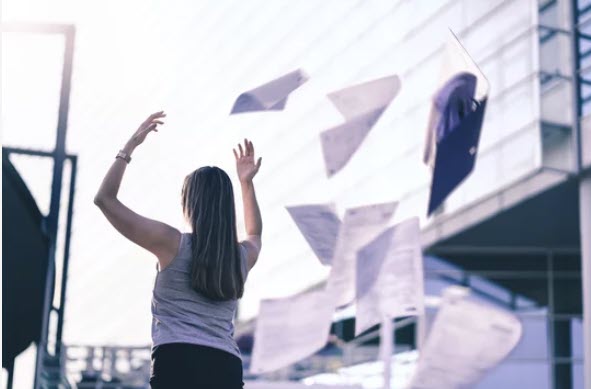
245	165
149	125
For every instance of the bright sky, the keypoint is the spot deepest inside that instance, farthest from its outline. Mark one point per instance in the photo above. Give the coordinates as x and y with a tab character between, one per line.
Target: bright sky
193	59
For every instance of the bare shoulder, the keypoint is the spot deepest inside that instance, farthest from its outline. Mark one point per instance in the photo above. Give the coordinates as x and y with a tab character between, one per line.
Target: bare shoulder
170	245
252	244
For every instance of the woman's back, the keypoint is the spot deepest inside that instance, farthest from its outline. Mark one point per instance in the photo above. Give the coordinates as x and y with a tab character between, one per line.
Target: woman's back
182	315
192	334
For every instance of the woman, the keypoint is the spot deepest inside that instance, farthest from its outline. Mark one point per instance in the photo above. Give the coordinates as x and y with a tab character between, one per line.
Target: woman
200	274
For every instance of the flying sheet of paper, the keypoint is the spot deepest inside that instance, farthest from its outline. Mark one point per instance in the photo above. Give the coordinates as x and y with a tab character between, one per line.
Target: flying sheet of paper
457	59
293	385
319	224
271	96
340	143
467	339
360	226
460	149
370	96
361	105
390	276
290	329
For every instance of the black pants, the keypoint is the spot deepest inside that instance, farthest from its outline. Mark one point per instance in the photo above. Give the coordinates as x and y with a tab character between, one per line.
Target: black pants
189	366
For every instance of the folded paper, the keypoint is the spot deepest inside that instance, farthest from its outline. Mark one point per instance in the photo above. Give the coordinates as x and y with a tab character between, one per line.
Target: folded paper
341	142
366	97
271	96
319	224
361	105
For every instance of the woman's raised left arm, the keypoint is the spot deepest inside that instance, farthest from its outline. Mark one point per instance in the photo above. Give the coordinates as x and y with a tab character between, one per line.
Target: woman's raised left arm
159	238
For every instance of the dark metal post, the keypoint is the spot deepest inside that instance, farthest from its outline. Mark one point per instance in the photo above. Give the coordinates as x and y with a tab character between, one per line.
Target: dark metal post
550	317
66	263
59	155
585	225
10	378
584	192
576	68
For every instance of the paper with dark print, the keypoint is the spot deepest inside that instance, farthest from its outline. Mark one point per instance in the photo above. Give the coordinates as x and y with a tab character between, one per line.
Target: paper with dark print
360	226
390	276
290	329
467	340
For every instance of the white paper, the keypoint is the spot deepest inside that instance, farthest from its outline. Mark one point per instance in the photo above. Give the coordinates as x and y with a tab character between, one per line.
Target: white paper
457	59
290	329
341	142
360	226
361	105
390	276
467	339
319	224
293	385
363	98
271	96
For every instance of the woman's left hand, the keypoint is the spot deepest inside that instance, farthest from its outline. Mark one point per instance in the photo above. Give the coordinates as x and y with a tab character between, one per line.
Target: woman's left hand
246	166
150	124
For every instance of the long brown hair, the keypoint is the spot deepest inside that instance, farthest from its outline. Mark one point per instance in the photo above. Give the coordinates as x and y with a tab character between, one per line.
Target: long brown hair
208	205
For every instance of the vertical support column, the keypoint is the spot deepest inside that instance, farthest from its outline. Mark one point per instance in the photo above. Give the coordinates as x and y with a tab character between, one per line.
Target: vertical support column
559	329
338	329
562	353
59	155
386	338
584	195
585	226
550	318
420	331
66	263
10	378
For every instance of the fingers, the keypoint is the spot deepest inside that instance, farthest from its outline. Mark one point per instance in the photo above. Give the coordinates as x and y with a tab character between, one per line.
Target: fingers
246	148
153	118
259	163
156	115
246	151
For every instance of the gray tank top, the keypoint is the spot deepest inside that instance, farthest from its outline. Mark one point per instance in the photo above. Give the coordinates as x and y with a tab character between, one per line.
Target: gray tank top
182	315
